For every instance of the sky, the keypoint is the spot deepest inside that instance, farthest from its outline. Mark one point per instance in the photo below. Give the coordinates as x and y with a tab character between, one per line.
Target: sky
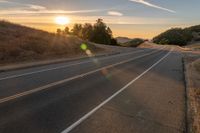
129	18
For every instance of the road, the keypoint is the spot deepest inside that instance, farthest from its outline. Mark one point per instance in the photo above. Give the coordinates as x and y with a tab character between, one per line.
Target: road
139	91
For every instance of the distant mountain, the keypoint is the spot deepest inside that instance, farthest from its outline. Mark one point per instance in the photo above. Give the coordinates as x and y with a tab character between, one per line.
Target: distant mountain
123	39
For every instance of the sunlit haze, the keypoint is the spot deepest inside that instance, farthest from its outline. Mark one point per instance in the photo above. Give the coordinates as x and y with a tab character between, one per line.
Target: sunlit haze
62	20
131	18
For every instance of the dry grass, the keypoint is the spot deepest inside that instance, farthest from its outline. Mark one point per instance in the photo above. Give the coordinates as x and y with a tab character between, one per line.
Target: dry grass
19	43
195	46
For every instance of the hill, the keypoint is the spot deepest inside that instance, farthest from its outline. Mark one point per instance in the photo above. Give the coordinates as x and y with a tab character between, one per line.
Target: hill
122	39
133	43
20	43
179	36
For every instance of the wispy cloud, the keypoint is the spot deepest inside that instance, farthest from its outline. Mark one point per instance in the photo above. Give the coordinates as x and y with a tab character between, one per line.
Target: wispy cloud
114	13
36	7
22	8
3	1
153	5
9	12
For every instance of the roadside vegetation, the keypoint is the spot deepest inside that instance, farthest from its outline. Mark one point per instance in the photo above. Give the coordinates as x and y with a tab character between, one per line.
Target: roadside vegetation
19	43
97	33
179	36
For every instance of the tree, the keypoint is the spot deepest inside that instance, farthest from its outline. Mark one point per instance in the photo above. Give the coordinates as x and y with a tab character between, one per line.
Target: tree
101	33
66	30
59	31
87	31
77	30
109	31
98	33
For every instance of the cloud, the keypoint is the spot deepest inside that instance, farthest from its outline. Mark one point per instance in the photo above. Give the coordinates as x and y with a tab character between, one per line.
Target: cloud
45	11
152	5
36	7
114	13
4	1
24	6
21	8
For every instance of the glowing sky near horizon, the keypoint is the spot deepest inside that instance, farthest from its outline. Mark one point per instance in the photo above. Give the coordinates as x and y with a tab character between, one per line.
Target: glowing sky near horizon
131	18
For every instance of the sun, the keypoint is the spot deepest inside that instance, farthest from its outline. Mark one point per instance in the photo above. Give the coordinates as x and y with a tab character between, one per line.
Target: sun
62	20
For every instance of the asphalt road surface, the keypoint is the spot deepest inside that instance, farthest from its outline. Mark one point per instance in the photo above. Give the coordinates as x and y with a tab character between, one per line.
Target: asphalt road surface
141	91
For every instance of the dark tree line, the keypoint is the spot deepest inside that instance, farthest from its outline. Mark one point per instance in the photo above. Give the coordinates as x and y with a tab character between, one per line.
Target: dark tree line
98	33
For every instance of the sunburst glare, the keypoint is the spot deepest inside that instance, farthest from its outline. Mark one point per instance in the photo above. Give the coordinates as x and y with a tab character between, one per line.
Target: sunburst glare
62	20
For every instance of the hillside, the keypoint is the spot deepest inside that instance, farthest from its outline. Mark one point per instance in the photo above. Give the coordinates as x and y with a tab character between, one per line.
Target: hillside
20	43
122	39
133	42
179	36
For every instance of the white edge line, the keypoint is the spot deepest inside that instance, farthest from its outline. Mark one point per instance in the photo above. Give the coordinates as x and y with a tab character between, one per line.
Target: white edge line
67	130
69	79
65	66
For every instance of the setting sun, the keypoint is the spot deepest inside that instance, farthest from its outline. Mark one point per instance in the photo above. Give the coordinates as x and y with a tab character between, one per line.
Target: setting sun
62	20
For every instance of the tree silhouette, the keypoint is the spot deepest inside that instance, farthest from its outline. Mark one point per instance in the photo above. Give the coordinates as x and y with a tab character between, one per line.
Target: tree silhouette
77	29
87	31
98	33
101	33
66	30
59	31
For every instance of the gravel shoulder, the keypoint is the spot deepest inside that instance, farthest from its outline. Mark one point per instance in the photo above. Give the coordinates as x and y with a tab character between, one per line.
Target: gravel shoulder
192	76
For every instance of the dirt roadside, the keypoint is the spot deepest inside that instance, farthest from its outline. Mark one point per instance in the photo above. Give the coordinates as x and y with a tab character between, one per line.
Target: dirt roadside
192	77
191	61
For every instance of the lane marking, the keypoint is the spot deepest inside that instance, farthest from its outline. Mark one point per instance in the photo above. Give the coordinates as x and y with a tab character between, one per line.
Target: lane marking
65	66
67	130
71	78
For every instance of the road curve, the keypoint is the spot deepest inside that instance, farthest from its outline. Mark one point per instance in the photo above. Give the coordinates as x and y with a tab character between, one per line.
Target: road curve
141	91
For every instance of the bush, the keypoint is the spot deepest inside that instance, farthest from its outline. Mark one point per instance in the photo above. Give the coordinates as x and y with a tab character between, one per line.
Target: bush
113	42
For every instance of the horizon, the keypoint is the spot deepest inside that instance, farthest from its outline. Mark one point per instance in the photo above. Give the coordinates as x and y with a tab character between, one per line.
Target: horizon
126	18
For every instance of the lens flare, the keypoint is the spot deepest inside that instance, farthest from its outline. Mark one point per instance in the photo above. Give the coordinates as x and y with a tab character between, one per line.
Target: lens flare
84	46
106	73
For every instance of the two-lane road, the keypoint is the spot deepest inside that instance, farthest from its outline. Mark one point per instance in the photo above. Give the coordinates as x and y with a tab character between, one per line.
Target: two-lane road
139	91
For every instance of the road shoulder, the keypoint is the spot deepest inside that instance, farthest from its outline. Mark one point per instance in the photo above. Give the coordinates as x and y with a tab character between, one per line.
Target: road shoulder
18	66
192	77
